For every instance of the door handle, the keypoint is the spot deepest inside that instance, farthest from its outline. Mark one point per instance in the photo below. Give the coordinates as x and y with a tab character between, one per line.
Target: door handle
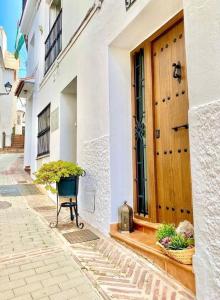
186	126
177	71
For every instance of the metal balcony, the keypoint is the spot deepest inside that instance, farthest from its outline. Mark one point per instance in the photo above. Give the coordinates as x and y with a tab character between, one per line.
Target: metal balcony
53	44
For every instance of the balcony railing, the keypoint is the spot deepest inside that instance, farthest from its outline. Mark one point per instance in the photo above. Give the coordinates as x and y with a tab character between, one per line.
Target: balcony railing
23	4
53	44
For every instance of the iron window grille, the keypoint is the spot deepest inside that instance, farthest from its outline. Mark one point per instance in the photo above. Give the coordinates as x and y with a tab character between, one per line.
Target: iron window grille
23	4
43	145
129	3
140	134
53	43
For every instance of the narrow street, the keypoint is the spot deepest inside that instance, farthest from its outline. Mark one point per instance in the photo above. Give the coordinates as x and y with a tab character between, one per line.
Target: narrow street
34	263
37	262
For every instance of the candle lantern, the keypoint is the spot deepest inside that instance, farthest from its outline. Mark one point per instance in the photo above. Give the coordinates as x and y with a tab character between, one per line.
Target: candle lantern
126	218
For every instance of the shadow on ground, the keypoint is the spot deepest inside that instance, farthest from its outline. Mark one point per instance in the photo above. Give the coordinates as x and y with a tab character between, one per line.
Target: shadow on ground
15	190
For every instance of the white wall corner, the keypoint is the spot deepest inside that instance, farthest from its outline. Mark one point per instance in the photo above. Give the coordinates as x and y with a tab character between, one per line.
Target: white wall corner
205	162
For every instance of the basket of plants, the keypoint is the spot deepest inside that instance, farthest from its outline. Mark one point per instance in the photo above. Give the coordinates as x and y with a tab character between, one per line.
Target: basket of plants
177	243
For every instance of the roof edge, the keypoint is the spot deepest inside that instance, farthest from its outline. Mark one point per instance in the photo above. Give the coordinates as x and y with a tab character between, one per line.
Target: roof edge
21	85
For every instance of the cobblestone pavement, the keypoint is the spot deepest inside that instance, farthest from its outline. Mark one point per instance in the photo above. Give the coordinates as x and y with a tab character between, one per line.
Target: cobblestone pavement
37	262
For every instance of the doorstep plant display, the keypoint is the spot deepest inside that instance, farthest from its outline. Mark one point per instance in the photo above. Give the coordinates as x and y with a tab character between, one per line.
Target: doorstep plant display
51	173
177	242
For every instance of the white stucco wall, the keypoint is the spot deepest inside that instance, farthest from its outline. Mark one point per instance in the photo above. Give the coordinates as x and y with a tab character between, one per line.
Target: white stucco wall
203	48
100	59
203	64
28	133
75	8
95	195
7	105
120	129
205	160
68	127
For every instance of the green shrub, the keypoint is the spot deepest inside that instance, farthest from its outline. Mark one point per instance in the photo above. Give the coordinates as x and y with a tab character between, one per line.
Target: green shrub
53	171
178	242
165	230
191	242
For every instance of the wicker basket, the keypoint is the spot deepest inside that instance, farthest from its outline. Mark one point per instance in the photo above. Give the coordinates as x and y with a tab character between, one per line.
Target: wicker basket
183	256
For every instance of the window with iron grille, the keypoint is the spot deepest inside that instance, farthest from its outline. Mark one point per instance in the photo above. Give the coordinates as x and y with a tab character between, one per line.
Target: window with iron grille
140	134
53	44
23	4
43	146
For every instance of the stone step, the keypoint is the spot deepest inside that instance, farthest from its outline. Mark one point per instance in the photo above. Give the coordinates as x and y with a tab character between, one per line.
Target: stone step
145	226
143	241
18	141
11	150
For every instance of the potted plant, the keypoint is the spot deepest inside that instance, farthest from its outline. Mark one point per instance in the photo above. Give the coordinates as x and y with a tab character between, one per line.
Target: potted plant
177	243
62	173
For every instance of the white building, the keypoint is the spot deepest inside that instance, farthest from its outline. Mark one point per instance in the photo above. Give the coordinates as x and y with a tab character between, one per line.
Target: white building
111	77
8	73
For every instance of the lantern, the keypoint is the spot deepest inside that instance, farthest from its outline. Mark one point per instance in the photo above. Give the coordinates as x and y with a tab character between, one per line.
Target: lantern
126	218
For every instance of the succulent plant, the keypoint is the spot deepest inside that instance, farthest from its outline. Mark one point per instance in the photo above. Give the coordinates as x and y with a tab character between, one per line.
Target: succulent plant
178	242
164	231
166	242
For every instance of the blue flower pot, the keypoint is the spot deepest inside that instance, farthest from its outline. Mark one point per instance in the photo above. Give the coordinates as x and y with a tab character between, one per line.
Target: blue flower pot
68	186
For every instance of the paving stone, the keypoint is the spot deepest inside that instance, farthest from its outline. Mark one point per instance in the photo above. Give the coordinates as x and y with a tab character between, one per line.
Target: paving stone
88	296
47	268
7	295
44	292
54	280
4	286
32	265
28	288
37	277
23	297
65	295
21	274
62	270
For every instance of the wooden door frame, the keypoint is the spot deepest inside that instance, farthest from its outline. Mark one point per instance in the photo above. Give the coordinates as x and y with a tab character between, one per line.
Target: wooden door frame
149	118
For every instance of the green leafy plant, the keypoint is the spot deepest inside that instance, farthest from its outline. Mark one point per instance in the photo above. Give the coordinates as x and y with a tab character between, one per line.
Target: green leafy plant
178	242
164	231
191	242
53	171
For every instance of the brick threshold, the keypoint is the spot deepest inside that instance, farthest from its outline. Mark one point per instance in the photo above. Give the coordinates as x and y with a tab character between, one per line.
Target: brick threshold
143	242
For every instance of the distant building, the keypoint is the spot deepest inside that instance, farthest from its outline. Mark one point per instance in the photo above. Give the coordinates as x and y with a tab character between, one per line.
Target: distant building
20	120
9	67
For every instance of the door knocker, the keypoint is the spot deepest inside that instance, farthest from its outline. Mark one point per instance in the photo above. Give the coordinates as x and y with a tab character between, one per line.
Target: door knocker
177	72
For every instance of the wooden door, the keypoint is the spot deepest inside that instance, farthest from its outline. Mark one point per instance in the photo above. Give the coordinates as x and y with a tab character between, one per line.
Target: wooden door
170	99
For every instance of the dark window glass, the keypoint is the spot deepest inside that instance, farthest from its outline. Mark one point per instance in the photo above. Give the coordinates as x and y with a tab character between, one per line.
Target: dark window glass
44	132
53	44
